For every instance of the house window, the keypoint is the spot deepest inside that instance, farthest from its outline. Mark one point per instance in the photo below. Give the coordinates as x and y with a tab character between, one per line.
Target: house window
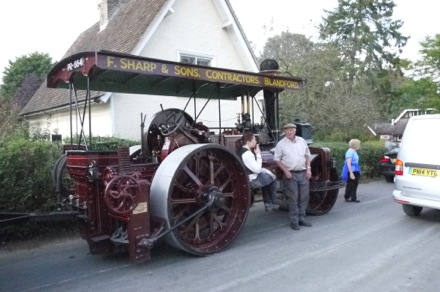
196	60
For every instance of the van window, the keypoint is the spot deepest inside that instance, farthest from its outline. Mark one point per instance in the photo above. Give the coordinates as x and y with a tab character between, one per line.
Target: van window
421	134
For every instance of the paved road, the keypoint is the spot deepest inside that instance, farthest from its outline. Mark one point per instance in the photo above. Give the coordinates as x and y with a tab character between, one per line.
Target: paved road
367	246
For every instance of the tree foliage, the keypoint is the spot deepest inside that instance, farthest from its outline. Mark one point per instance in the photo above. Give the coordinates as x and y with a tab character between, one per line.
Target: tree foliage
37	64
370	42
417	93
292	51
429	65
422	91
368	38
325	103
21	79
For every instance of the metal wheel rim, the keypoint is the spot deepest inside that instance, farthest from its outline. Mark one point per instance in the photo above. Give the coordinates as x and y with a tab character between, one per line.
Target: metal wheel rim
177	191
152	130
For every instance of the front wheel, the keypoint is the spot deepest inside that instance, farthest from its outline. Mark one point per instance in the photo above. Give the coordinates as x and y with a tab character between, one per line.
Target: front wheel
411	210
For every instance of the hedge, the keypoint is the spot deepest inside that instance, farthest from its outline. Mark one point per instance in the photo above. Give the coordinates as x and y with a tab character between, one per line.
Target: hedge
26	184
25	175
369	153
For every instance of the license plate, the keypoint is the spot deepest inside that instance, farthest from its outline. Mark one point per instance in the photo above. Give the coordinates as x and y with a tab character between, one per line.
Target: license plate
393	160
424	172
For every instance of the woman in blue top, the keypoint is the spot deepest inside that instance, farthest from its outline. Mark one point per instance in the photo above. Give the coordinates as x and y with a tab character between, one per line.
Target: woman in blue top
352	171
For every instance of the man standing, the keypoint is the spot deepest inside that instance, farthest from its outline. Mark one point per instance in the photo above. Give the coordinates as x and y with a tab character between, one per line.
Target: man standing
292	156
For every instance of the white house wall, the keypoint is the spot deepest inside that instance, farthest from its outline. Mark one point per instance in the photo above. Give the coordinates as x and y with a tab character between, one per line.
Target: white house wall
127	119
59	122
194	27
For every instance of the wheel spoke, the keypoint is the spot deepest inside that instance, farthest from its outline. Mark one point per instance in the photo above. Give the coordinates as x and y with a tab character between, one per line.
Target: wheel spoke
229	195
192	176
219	170
197	232
192	223
182	212
211	168
181	187
227	209
184	201
225	184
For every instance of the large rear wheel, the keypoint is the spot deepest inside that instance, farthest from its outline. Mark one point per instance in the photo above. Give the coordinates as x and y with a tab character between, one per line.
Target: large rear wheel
322	202
191	178
324	189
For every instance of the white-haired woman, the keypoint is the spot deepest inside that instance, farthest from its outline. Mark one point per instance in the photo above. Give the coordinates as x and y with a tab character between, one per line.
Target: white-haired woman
352	171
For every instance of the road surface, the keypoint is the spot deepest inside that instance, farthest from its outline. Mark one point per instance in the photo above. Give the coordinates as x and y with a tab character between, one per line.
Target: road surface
366	246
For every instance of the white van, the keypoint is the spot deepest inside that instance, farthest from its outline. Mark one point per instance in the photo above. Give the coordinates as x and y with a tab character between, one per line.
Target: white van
417	176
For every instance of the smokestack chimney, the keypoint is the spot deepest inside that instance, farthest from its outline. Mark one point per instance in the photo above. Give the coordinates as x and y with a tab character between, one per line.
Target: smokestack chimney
271	106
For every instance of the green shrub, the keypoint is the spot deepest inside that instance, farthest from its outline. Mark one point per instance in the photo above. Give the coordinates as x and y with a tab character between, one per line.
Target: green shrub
103	143
25	175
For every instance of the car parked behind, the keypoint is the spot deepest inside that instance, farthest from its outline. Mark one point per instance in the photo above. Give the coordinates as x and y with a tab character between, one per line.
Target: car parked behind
388	164
417	173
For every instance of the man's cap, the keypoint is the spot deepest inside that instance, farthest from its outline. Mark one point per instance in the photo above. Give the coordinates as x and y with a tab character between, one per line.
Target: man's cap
289	126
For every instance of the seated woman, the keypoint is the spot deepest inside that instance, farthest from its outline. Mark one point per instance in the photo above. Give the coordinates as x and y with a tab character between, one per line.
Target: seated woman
259	176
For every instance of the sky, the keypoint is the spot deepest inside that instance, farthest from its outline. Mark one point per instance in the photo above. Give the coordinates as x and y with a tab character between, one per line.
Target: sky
51	26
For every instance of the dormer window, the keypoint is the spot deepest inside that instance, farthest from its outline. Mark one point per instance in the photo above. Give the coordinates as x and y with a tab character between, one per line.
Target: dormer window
195	59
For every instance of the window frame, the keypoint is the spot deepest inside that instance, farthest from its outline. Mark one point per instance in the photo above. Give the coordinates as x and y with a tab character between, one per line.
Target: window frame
196	56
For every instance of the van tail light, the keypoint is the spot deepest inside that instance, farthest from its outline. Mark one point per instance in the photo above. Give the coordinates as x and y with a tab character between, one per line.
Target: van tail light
384	159
399	167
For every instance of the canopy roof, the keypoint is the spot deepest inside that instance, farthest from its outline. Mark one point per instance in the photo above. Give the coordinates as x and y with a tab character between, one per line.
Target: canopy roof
116	72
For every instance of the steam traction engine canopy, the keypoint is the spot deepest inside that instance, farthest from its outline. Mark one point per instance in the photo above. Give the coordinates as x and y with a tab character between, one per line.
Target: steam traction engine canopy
113	72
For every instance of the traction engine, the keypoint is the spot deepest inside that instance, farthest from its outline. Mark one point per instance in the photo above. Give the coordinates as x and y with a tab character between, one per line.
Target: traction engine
185	184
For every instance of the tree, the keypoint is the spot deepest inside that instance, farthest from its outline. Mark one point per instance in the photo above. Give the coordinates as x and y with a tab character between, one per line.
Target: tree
367	36
292	51
324	103
36	63
421	93
429	65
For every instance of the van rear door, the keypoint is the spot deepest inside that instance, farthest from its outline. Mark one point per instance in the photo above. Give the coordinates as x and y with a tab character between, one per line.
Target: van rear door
420	157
